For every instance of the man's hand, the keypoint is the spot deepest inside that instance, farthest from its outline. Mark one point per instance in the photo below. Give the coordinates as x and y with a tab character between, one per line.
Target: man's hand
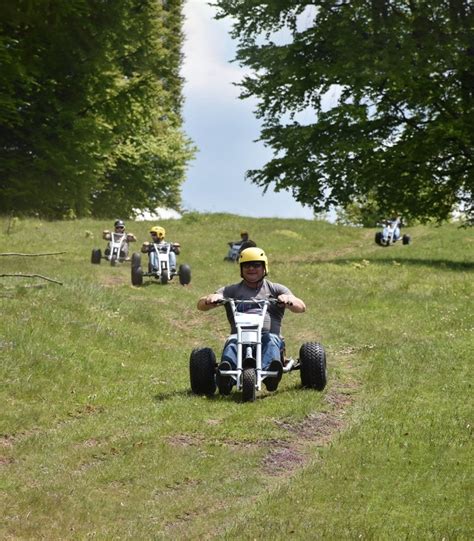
213	298
209	301
294	303
286	299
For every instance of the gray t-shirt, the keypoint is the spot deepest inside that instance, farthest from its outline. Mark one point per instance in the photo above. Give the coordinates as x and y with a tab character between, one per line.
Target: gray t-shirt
274	313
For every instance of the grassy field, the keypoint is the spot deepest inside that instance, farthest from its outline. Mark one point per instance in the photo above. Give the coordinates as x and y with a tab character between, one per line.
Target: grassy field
101	438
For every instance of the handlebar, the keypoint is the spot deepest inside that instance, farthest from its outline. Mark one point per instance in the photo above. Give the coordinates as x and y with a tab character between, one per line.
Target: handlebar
260	302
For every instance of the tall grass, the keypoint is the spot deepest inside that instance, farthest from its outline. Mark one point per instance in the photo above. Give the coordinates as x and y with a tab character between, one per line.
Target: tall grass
102	438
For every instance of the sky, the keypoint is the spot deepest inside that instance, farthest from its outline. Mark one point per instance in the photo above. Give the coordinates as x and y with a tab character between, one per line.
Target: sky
223	127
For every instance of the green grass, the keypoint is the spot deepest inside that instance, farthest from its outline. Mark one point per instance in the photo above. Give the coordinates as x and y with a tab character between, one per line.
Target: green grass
101	437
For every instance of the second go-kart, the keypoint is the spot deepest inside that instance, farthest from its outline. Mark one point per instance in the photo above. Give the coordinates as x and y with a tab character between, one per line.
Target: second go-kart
116	251
234	251
159	266
249	375
391	233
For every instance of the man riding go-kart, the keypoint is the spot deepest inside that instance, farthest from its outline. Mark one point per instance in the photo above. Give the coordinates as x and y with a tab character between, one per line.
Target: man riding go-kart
161	260
117	245
235	247
254	353
391	233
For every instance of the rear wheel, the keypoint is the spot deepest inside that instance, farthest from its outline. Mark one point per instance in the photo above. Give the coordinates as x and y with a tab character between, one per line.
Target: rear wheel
249	383
313	370
378	238
202	371
137	276
406	239
184	274
96	256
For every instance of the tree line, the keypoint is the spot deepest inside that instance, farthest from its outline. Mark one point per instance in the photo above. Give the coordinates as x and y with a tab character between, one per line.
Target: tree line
365	102
90	106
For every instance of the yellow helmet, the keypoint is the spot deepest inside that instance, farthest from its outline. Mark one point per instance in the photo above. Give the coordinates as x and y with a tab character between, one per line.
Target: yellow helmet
254	254
160	231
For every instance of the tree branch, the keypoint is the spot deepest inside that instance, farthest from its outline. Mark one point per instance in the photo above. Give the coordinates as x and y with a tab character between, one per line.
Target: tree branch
32	255
32	276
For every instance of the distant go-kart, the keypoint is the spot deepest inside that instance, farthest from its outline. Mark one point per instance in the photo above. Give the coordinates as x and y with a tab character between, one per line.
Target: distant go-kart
116	251
390	234
248	376
234	251
161	270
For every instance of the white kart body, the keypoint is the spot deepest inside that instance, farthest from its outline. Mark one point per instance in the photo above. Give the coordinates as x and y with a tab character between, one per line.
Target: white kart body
116	245
390	233
249	325
160	258
234	251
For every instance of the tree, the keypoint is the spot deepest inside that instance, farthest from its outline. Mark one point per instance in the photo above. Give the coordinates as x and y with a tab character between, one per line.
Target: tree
402	127
89	115
147	165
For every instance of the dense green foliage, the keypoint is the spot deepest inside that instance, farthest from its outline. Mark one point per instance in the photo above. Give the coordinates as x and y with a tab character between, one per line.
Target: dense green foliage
101	438
363	97
90	106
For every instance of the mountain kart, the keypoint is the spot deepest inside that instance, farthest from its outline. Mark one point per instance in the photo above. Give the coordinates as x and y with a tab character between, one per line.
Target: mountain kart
159	266
234	251
249	375
116	251
390	234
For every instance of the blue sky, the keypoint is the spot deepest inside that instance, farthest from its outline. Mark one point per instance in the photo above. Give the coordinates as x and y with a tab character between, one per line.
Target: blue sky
223	127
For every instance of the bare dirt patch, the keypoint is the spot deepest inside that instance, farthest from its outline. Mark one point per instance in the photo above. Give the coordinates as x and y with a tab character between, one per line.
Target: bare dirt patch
6	460
316	429
112	280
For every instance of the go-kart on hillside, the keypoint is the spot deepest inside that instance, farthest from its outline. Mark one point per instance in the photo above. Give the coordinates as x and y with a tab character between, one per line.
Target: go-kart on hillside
391	233
248	376
161	270
234	251
116	251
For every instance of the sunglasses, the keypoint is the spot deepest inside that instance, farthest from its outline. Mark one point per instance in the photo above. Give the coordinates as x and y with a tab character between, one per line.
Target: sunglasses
120	227
254	264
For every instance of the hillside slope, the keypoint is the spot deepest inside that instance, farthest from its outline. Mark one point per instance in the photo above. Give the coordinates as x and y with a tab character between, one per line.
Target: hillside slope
101	436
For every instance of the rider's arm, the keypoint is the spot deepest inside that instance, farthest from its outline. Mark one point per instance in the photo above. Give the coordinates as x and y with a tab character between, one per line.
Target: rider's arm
209	301
294	304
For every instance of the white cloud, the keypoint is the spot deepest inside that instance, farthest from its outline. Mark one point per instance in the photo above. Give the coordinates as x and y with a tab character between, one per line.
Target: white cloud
222	126
208	51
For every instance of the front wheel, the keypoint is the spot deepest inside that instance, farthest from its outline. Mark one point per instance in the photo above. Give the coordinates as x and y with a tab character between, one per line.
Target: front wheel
136	260
164	277
249	384
96	256
313	369
184	274
202	371
137	276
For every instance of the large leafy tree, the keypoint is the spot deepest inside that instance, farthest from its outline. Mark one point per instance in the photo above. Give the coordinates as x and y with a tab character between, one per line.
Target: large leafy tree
401	129
147	164
89	118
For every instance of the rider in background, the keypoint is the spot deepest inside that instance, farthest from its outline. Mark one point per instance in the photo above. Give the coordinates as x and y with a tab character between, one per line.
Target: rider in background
235	247
119	230
158	237
253	269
